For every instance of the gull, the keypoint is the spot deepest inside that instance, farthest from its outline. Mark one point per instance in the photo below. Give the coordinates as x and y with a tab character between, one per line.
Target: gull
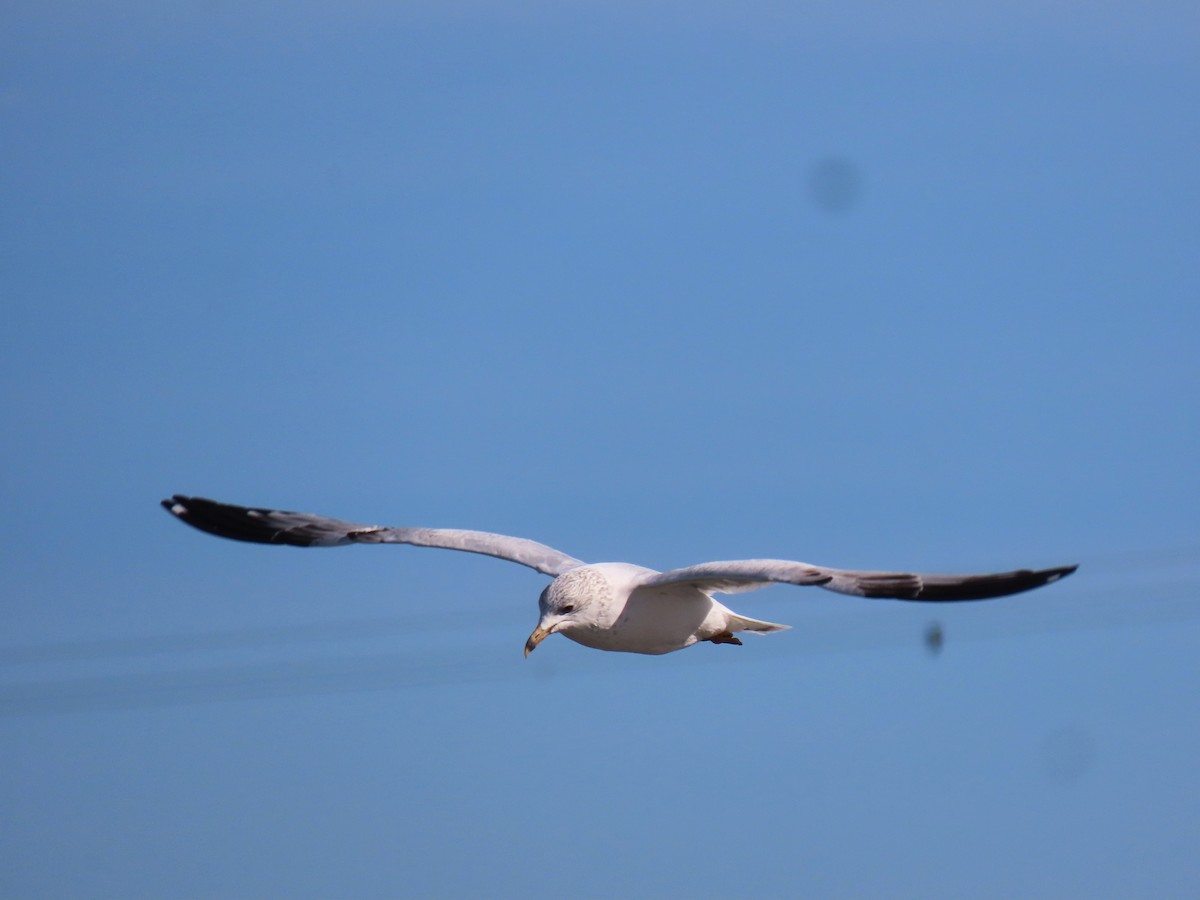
613	606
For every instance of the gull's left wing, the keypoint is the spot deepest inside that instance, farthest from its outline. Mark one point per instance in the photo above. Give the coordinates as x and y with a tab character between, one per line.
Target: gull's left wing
749	574
276	526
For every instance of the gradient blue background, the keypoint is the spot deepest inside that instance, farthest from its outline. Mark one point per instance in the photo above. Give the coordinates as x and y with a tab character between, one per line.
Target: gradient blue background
906	286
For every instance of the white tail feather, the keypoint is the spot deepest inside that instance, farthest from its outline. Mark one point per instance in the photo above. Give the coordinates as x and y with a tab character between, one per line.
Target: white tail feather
741	623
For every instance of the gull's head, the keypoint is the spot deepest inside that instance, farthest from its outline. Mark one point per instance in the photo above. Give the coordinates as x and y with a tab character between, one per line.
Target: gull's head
558	613
570	601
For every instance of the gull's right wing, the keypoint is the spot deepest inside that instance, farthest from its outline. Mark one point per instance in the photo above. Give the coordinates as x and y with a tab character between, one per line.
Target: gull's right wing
276	526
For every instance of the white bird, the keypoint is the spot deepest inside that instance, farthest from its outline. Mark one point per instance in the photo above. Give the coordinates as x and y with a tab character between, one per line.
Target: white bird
613	606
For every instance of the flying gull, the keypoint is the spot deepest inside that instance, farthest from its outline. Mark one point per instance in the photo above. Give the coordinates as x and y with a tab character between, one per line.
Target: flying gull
613	606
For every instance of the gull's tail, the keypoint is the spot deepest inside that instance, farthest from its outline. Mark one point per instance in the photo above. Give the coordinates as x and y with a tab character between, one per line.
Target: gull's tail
741	623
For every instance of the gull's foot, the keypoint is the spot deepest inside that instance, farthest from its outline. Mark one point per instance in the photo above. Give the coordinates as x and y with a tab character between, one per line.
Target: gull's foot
725	637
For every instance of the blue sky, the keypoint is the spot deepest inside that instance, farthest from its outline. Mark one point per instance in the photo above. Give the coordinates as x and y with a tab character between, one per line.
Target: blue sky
572	272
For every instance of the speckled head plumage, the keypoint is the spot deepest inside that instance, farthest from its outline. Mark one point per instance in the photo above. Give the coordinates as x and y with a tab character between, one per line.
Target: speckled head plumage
574	590
575	599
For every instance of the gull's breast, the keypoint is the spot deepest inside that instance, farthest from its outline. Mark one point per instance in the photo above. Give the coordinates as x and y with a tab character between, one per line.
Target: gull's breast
652	620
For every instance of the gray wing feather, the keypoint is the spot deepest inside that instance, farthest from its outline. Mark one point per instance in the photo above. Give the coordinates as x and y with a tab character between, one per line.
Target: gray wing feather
749	574
735	576
276	526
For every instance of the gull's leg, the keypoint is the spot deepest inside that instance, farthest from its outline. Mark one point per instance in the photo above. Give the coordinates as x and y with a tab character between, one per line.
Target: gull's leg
725	637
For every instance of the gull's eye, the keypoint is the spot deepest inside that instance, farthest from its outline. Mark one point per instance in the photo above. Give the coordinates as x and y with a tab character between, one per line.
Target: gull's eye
569	608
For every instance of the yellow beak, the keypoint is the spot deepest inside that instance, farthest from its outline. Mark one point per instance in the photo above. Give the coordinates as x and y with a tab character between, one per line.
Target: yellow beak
539	635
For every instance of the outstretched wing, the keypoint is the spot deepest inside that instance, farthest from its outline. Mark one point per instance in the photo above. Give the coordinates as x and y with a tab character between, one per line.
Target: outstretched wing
276	526
749	574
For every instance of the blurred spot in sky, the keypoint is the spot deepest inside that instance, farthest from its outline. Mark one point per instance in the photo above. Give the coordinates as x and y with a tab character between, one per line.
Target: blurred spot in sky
835	184
934	638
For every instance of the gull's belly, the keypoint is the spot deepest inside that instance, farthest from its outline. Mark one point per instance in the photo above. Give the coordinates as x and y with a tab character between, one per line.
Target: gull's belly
652	620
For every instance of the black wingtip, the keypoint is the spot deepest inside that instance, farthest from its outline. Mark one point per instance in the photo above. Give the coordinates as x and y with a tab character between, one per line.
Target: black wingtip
182	507
226	520
985	587
255	525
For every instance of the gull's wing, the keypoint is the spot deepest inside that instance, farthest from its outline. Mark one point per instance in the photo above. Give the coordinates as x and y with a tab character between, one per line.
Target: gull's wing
749	574
276	526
